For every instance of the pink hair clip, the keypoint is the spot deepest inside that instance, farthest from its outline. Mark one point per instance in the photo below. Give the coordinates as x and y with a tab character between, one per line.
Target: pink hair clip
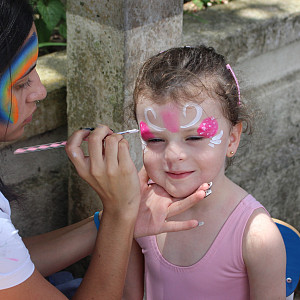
236	82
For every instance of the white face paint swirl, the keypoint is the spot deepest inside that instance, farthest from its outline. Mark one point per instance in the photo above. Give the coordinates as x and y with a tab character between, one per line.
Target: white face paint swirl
216	140
154	127
197	117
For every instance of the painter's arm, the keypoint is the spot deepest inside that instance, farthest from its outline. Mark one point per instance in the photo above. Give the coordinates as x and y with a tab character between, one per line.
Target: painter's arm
58	249
265	258
134	284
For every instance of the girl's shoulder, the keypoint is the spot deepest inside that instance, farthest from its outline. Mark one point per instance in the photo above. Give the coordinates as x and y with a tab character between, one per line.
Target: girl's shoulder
264	256
261	236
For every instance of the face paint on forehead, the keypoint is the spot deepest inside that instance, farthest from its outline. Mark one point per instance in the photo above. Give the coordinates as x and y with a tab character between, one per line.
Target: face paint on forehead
151	125
197	117
25	59
170	117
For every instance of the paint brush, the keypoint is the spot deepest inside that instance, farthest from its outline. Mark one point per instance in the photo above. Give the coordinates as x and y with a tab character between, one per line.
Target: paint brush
59	144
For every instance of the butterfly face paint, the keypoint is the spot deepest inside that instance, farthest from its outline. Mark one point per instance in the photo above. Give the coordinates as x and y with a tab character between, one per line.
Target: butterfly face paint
20	65
171	117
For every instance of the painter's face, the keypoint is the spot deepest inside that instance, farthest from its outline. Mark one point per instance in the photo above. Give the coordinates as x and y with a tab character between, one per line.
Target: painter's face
20	88
184	146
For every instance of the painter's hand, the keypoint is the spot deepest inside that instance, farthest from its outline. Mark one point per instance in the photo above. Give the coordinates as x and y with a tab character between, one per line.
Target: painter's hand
108	168
157	206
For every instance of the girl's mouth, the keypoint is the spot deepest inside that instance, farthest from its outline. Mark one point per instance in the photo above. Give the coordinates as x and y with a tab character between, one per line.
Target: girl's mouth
179	175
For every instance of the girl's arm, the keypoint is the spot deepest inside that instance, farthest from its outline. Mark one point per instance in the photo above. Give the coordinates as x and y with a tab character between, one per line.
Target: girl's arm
265	258
134	284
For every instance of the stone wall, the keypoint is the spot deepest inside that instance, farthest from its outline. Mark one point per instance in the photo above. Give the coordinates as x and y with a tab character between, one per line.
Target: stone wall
261	40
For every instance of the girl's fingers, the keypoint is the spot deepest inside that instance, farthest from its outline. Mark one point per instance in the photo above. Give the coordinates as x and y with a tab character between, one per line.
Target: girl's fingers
174	226
180	206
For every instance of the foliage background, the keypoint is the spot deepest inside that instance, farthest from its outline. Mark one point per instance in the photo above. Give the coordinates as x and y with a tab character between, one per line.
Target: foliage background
50	21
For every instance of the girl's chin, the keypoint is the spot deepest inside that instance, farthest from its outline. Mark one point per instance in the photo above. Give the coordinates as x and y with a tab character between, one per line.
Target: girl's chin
177	196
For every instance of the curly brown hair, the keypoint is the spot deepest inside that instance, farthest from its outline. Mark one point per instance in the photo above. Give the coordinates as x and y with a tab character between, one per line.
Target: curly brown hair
174	73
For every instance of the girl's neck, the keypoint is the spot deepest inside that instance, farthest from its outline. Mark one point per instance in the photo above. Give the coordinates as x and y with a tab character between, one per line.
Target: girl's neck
225	193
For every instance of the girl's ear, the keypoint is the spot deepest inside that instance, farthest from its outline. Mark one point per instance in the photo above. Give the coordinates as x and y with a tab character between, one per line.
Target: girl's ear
234	139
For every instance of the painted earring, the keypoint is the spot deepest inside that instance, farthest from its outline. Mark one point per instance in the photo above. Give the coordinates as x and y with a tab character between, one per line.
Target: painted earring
231	152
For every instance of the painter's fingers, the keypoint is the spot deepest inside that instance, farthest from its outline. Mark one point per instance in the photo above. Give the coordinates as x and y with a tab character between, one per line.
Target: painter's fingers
179	206
111	156
174	226
95	145
143	176
124	158
74	150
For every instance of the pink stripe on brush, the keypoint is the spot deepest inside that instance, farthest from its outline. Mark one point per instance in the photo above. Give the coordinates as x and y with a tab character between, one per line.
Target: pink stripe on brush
58	144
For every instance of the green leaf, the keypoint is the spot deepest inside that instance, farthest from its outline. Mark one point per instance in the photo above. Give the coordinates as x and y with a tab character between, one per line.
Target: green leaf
44	33
51	12
63	30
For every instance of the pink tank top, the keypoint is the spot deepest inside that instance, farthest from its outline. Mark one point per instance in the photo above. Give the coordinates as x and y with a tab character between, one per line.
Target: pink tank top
219	275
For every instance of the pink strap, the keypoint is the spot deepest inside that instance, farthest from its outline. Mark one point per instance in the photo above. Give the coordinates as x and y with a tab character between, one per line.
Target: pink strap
236	82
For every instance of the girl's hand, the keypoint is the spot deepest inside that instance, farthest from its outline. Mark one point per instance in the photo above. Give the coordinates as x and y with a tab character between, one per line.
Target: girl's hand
108	168
157	206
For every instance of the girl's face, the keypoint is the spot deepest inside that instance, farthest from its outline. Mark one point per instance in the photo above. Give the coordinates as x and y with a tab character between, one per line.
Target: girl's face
20	88
184	146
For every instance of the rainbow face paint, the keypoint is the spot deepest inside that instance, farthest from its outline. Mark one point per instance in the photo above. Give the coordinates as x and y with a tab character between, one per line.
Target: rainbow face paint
25	59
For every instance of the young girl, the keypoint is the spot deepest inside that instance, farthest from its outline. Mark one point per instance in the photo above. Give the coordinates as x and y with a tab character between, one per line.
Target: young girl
188	107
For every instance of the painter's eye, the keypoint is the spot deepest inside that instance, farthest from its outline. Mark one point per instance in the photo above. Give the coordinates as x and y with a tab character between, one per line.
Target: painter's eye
194	138
24	85
154	141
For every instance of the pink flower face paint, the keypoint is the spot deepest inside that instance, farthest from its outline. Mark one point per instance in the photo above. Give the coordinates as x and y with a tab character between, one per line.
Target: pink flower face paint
25	59
208	127
146	134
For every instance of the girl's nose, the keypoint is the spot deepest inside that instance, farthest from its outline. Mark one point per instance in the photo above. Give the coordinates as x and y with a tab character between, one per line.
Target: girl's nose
174	152
38	91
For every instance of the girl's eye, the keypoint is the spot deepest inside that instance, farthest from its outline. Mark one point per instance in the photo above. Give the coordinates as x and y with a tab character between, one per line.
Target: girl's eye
194	138
155	140
24	85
